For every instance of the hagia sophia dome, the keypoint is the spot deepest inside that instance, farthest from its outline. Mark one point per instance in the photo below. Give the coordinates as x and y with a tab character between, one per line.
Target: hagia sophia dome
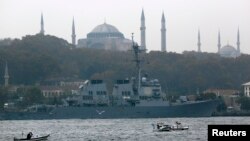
106	30
106	36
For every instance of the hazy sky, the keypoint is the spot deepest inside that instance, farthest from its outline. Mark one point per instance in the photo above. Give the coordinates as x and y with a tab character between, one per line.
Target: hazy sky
183	18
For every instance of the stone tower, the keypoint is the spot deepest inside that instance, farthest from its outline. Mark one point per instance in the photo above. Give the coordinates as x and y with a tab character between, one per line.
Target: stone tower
143	31
199	41
73	33
238	41
219	44
163	34
42	25
6	75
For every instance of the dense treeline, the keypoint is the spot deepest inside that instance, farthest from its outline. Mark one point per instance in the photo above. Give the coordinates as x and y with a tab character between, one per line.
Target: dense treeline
36	58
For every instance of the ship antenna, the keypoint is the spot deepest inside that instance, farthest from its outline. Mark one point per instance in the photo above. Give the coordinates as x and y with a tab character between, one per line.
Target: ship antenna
137	60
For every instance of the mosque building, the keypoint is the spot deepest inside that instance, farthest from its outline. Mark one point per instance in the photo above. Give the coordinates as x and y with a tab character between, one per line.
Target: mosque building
108	37
227	51
105	36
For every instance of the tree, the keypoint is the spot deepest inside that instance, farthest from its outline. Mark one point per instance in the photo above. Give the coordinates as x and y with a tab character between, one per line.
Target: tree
31	95
245	103
3	97
207	96
221	107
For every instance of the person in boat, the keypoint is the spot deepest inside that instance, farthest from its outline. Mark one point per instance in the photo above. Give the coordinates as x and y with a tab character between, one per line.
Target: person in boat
159	125
29	135
178	123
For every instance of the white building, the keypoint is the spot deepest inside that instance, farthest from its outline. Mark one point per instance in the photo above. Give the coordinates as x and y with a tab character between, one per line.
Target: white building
246	89
51	91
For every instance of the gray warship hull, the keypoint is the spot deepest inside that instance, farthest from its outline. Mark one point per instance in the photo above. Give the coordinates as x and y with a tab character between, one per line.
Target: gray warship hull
198	109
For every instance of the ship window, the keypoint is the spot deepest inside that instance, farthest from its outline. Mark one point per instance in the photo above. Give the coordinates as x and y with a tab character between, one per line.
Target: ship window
143	97
90	93
101	92
87	97
128	92
125	93
156	90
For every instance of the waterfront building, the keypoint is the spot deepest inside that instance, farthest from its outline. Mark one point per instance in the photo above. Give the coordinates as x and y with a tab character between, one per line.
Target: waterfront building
246	89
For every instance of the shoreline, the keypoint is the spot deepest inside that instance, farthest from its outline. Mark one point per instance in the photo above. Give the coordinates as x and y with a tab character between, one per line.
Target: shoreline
231	113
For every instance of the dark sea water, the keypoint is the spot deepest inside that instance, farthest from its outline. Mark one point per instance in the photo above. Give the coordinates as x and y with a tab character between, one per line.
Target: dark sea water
113	129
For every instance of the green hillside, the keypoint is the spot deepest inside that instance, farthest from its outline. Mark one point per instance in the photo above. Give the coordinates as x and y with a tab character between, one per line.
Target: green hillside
37	58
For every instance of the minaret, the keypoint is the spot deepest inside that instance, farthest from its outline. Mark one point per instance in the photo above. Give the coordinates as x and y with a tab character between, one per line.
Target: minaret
73	33
219	44
238	41
42	25
163	34
143	31
6	76
199	41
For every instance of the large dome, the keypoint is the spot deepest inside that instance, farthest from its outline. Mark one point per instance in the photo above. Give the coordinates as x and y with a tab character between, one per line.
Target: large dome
107	28
105	31
105	36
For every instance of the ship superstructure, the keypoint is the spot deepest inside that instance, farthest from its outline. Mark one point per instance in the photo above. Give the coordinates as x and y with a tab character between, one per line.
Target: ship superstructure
136	91
94	93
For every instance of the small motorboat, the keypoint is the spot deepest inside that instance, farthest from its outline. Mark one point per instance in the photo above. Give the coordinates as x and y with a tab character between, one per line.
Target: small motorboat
161	127
33	139
179	126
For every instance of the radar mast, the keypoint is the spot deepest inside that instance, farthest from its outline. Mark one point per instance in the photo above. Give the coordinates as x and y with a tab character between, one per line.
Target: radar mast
137	60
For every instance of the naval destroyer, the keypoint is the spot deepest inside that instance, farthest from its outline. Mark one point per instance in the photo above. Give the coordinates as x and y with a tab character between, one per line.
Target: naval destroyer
138	97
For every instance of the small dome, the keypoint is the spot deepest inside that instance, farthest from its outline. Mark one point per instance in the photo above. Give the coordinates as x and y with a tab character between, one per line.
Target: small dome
105	31
229	51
